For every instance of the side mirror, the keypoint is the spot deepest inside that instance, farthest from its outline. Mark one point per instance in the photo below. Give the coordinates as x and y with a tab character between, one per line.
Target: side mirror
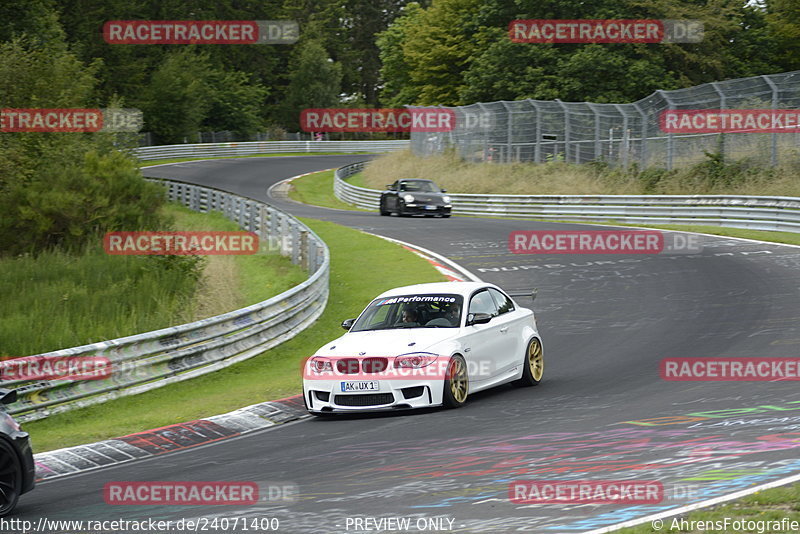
444	190
390	187
7	396
478	318
347	324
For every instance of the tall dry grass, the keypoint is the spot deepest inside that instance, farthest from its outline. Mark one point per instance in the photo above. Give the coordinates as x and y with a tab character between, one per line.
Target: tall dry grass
712	176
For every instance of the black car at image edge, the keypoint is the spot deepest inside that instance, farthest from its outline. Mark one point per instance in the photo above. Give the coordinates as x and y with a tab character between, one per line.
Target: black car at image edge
17	469
415	197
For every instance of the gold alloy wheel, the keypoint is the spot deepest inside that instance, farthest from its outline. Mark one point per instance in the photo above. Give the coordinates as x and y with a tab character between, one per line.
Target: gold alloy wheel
458	380
535	359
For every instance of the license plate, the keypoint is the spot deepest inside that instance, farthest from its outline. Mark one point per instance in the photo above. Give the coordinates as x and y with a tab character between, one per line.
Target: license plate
360	385
430	207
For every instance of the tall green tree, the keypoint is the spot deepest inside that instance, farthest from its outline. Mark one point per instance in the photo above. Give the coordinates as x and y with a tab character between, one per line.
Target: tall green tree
37	20
784	22
62	189
314	82
439	48
397	89
178	96
459	52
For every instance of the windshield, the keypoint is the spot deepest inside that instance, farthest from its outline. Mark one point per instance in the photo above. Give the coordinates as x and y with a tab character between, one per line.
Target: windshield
411	311
421	186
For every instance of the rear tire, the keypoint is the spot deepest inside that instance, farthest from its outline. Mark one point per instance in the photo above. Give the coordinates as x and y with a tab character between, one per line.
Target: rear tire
533	365
10	478
382	208
456	383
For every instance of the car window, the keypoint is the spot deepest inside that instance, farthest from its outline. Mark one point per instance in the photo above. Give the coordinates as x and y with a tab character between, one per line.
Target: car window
504	304
411	311
377	319
420	186
482	302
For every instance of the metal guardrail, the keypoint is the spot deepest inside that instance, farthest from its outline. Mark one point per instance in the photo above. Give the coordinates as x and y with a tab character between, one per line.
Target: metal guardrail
265	147
736	211
151	360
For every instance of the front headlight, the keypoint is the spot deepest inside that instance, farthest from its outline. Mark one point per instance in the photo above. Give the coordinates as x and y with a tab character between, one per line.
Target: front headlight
415	360
446	199
320	365
408	198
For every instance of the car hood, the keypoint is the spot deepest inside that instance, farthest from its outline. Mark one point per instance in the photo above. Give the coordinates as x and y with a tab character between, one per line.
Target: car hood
387	342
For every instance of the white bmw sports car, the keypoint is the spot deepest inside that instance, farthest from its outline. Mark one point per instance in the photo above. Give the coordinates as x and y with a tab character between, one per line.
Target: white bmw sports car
425	345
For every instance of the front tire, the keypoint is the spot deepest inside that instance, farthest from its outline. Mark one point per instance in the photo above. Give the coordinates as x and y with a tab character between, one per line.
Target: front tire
533	366
401	208
10	478
456	383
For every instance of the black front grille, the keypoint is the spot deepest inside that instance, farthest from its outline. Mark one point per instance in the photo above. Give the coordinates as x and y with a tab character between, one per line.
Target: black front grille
353	366
374	365
348	366
371	399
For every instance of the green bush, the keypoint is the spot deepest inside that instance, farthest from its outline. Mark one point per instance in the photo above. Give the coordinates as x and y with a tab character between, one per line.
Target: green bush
71	201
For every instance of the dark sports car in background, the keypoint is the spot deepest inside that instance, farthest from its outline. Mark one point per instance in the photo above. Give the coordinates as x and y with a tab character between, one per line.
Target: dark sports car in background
16	459
415	197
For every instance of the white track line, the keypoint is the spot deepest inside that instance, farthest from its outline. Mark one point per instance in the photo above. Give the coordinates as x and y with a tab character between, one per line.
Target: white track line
696	506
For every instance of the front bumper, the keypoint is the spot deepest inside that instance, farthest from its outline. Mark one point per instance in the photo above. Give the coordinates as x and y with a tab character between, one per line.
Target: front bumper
427	209
326	396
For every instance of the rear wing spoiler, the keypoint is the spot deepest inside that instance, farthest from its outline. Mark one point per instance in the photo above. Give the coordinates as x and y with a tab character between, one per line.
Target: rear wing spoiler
520	293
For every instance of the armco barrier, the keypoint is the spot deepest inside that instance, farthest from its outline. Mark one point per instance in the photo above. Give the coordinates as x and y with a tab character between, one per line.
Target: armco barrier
736	211
147	361
211	150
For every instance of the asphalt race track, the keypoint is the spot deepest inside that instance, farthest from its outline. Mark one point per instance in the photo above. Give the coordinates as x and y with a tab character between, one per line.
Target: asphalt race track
602	412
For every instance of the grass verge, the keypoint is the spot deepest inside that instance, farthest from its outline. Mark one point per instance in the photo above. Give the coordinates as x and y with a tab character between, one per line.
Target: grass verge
90	297
317	189
770	505
355	279
712	176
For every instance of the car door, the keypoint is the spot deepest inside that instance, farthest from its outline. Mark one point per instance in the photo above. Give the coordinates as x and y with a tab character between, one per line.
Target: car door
511	329
483	342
